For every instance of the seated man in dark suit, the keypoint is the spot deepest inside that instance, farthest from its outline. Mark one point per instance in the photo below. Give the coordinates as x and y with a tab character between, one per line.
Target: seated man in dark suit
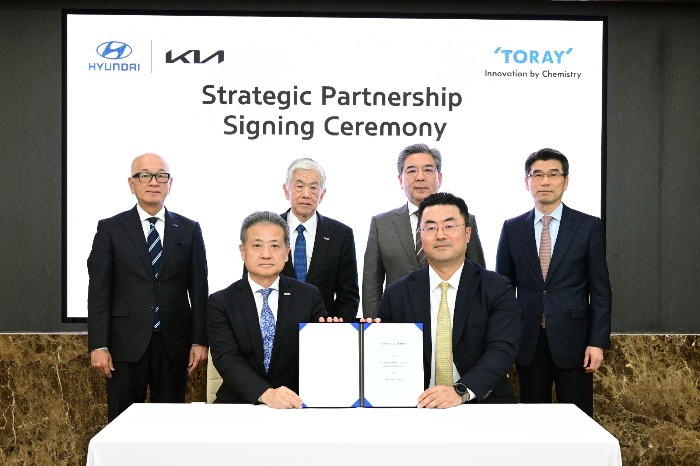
253	324
470	317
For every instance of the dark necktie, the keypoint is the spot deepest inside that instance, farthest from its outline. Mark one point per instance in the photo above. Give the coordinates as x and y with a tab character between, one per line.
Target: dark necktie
267	328
155	249
300	254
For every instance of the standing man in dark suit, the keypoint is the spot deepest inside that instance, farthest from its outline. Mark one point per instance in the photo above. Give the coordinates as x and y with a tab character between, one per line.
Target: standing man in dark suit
322	249
564	293
469	314
254	323
147	295
394	246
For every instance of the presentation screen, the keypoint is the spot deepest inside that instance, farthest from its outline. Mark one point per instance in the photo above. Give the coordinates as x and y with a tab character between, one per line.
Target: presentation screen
230	100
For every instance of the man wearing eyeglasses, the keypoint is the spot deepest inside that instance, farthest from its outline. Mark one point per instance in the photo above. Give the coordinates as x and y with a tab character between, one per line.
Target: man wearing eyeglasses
147	295
555	258
393	245
470	316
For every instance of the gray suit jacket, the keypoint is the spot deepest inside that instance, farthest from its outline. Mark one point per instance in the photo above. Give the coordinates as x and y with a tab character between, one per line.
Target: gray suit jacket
391	254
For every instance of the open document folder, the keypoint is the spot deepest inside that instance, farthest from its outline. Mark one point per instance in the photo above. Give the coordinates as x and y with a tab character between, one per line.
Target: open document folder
360	365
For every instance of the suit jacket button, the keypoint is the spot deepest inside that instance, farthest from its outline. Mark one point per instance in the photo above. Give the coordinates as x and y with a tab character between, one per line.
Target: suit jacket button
544	292
158	284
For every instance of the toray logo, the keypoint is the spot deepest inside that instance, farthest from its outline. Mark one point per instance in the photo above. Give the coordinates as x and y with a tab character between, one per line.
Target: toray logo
114	50
533	56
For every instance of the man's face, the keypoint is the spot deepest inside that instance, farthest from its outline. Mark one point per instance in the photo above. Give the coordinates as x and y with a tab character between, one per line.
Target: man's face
304	193
420	177
547	191
150	195
264	252
442	248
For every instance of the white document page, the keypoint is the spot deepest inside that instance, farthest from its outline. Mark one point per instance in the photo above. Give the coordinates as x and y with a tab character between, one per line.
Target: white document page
393	364
329	365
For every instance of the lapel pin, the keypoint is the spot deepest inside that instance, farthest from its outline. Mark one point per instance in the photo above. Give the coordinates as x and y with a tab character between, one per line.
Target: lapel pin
327	239
288	294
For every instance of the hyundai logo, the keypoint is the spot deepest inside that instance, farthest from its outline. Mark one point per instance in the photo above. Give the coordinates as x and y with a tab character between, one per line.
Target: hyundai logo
113	50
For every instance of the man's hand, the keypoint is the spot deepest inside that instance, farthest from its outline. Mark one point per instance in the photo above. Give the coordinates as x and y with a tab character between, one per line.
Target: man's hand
198	354
280	398
593	358
439	396
369	320
101	360
330	319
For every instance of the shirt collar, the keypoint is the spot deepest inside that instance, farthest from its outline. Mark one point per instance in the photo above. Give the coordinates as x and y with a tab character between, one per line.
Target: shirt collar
255	287
412	208
435	279
556	213
309	225
143	215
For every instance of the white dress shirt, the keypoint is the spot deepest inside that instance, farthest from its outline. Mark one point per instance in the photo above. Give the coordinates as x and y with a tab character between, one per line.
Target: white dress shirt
272	300
435	298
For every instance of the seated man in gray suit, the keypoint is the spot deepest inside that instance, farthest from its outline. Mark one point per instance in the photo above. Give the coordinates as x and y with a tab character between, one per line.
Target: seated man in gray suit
394	246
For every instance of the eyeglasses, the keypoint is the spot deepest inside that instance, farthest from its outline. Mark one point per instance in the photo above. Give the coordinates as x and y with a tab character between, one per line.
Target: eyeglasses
413	171
448	229
145	177
540	176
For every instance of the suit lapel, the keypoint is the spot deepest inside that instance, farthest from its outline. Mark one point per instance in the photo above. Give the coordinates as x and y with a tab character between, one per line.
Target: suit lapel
468	284
322	243
402	225
288	269
172	236
134	229
529	244
567	229
246	301
419	296
284	307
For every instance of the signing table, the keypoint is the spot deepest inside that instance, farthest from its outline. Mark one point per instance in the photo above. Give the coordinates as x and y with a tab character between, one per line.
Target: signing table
189	434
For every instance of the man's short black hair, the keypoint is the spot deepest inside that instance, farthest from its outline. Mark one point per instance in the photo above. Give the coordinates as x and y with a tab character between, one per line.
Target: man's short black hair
444	199
547	154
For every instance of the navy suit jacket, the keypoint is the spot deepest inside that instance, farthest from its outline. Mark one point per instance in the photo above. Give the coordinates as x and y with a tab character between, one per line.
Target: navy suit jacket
333	268
122	290
236	342
576	298
485	327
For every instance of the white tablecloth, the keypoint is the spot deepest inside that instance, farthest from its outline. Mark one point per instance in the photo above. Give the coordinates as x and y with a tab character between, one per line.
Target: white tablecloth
200	434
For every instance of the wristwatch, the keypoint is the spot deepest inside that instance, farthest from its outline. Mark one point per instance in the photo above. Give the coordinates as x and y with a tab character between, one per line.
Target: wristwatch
461	390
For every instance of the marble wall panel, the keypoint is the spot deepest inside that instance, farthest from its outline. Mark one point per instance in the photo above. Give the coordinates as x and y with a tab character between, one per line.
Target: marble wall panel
647	394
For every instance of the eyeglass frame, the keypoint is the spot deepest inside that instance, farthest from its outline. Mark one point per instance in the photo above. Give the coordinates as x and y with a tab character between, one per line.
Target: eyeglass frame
151	175
540	176
424	230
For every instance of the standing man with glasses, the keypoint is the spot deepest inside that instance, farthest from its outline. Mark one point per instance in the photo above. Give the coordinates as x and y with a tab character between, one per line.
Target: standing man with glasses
555	258
394	246
469	314
147	295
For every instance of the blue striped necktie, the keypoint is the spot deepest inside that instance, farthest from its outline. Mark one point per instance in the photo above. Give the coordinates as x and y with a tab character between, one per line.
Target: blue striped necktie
267	328
155	249
300	254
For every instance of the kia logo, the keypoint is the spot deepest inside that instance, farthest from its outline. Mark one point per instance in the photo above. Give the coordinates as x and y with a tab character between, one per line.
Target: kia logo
113	50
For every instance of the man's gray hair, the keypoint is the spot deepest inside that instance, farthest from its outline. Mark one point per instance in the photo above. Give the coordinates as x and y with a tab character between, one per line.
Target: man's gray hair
419	149
305	164
266	217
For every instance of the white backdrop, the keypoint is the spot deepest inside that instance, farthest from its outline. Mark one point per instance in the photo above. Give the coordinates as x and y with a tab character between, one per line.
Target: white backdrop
505	113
